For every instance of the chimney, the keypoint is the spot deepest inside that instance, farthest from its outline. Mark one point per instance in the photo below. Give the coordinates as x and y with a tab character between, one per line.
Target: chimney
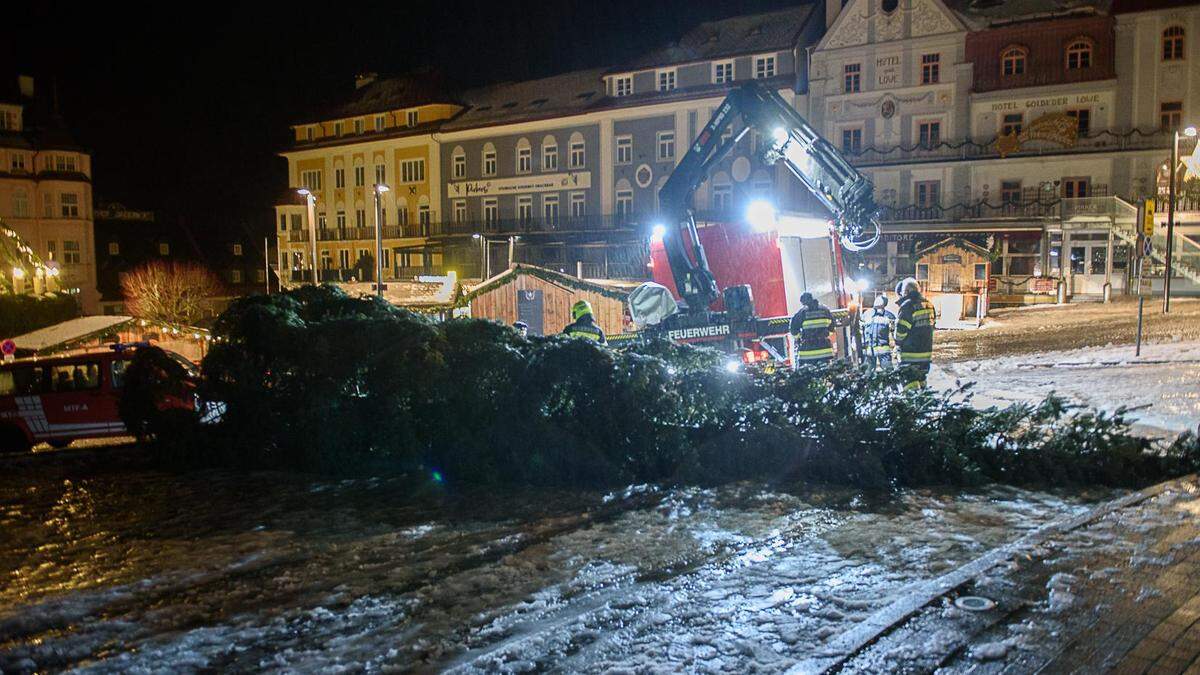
363	79
832	9
25	83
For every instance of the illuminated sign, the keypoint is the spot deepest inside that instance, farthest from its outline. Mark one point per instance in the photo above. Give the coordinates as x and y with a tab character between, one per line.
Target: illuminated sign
575	180
699	333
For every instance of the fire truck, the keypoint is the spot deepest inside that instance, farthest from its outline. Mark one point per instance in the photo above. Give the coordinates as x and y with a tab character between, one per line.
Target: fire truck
808	249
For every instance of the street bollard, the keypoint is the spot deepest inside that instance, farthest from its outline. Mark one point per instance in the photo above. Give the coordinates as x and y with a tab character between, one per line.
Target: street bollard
1141	303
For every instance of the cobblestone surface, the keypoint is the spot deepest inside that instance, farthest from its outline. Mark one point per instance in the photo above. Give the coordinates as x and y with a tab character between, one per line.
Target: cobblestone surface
1120	594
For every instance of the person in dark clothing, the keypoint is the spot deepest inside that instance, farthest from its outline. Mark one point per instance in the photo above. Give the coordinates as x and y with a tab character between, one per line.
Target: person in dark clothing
584	324
877	335
914	333
810	329
522	328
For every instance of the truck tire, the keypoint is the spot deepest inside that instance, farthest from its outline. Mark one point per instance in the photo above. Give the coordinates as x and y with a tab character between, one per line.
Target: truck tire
12	440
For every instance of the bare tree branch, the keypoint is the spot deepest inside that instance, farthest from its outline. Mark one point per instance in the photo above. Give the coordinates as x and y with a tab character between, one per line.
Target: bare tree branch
172	292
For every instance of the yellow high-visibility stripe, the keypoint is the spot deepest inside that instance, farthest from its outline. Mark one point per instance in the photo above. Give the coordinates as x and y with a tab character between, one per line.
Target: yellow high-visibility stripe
815	322
916	356
904	323
826	351
913	386
922	312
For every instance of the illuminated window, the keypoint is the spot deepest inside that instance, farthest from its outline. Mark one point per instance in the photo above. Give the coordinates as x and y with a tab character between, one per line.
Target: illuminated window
164	248
114	248
722	72
1012	60
930	68
624	149
666	80
237	249
1079	55
1172	43
623	86
852	80
71	252
1170	115
764	66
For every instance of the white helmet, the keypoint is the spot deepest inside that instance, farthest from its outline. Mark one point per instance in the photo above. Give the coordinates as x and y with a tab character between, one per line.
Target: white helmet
906	286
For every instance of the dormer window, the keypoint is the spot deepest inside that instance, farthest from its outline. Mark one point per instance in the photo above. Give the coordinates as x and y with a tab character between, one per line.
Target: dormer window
623	85
380	122
1079	55
666	80
337	128
411	118
358	126
722	72
1012	60
764	66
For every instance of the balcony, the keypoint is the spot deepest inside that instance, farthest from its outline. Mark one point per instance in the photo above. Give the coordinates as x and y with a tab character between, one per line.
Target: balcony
358	233
1049	206
561	224
1104	141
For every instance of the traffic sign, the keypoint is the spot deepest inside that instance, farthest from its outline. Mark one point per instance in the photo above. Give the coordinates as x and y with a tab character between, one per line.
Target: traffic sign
1147	246
1148	220
8	348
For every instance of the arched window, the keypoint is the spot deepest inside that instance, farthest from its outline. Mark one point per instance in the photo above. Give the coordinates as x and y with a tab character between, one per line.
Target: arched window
401	211
722	192
624	199
576	148
1172	43
489	160
458	163
1012	60
524	156
549	154
1079	55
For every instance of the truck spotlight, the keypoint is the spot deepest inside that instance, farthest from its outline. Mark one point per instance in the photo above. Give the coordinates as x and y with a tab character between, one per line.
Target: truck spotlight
658	232
761	215
862	285
732	365
780	134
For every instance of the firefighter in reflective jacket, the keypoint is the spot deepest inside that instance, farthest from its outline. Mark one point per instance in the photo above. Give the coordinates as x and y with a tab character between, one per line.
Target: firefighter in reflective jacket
584	324
877	334
914	333
810	329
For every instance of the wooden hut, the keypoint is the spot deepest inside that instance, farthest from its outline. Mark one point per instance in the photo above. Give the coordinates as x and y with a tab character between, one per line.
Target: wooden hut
542	298
954	275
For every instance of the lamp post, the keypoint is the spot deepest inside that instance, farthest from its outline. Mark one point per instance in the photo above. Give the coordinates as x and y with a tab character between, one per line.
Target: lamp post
380	188
483	261
1190	132
311	202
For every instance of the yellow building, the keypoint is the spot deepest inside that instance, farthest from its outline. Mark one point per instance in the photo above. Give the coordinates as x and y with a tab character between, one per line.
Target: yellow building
46	189
385	134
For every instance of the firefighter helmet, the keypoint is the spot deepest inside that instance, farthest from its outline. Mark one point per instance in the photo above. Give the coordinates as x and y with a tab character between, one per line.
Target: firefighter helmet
580	309
880	301
906	286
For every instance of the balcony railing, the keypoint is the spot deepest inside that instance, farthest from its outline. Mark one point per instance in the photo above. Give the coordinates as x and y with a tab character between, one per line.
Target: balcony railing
360	233
1049	206
535	225
1135	139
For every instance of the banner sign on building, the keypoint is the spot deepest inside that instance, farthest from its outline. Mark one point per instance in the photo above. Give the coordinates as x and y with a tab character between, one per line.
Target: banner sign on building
575	180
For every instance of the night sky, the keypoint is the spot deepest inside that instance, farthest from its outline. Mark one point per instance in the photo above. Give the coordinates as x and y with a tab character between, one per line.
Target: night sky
184	113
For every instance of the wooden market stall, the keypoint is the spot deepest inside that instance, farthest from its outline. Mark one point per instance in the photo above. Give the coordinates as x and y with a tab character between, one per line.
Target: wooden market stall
542	298
954	275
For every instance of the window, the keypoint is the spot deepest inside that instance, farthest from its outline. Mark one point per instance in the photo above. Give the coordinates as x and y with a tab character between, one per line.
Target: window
359	126
295	221
65	163
50	250
386	256
489	160
311	180
666	146
722	194
340	221
722	72
577	155
114	248
550	208
525	209
981	270
360	176
20	203
260	275
524	159
380	122
852	140
308	133
491	211
235	276
666	80
1172	43
852	82
412	117
1075	187
320	221
1010	192
623	86
339	177
458	164
460	211
18	162
624	149
927	193
929	134
402	213
923	272
68	203
1079	55
764	66
1011	124
337	128
931	65
360	217
412	170
164	248
1012	61
424	217
1083	119
70	252
75	376
380	174
1022	256
1170	115
326	260
47	205
624	203
343	258
237	249
577	204
549	155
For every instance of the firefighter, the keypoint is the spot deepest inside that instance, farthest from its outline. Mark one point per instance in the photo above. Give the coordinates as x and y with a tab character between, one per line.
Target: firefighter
877	334
584	324
811	328
914	333
522	328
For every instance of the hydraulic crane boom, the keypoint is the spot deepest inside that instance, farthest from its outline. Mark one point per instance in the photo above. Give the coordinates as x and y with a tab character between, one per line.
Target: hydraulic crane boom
787	137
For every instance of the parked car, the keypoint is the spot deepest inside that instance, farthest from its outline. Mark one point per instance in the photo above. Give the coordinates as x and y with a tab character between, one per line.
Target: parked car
62	398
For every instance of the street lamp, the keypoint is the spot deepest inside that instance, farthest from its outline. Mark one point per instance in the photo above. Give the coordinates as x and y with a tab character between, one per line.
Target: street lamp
380	188
483	255
1190	132
311	202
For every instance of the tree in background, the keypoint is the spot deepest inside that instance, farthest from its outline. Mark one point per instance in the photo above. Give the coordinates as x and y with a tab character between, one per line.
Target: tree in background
171	292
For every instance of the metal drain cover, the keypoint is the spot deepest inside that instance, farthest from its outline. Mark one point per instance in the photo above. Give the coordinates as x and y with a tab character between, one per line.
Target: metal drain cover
973	603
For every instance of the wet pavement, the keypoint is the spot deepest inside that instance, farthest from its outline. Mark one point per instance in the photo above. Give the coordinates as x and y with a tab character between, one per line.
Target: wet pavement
111	566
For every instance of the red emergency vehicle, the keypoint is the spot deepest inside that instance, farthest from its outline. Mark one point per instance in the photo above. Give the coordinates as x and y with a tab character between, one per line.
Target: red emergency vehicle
62	398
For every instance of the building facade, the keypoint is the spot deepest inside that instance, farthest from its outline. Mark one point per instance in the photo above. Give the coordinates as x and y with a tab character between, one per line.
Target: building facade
46	188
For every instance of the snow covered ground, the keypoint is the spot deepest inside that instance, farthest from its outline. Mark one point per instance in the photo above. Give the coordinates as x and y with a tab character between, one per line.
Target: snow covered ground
1164	381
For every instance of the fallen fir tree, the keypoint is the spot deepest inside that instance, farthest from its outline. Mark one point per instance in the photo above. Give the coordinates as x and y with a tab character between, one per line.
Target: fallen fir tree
317	381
